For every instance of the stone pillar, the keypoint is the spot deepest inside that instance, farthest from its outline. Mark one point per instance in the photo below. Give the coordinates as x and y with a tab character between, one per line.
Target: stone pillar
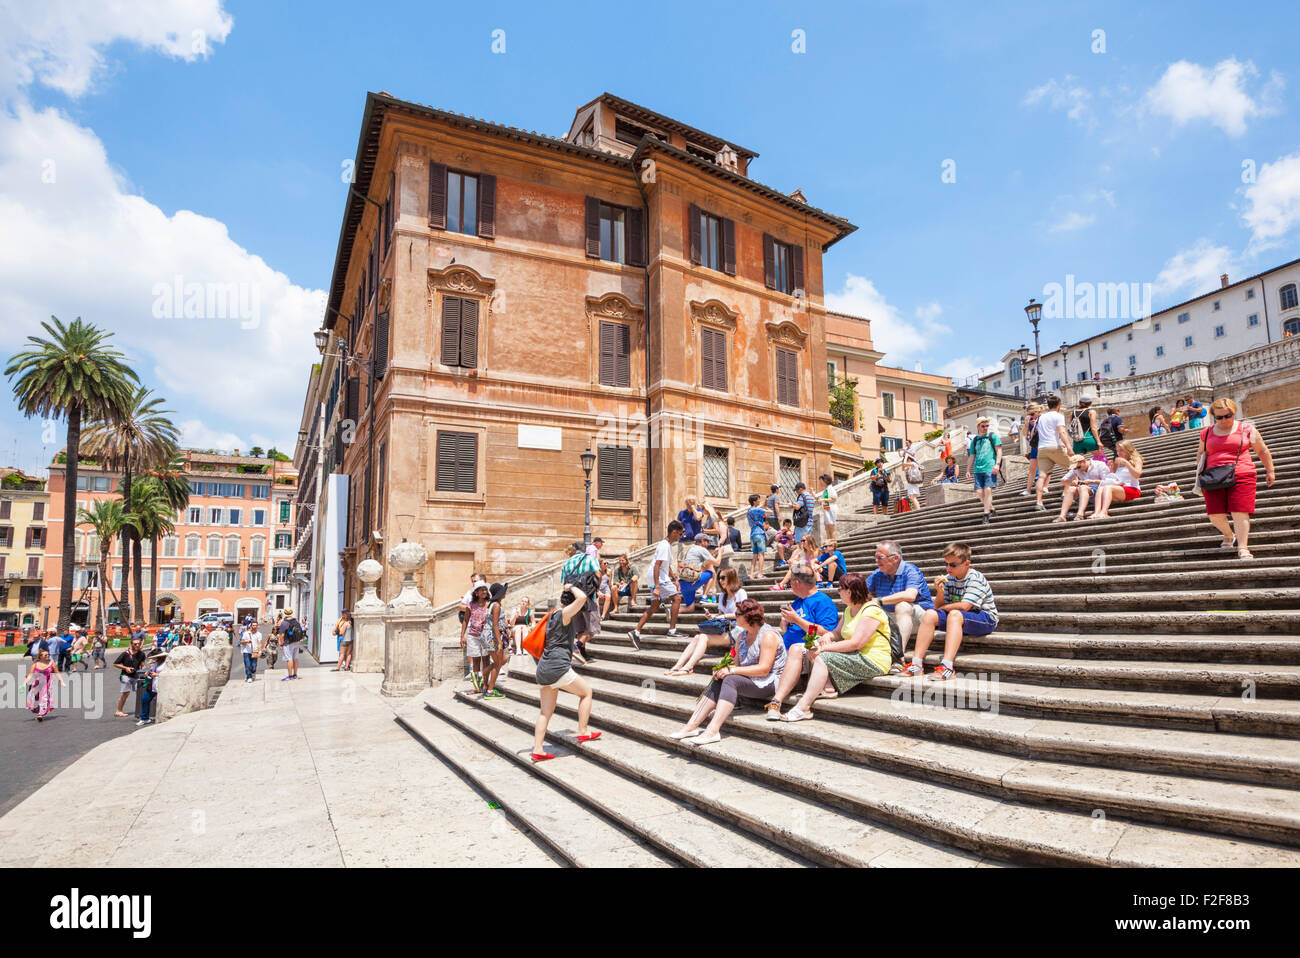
368	621
406	626
183	683
217	652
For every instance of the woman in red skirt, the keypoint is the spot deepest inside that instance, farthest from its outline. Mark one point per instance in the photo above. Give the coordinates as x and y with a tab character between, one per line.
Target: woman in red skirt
1229	441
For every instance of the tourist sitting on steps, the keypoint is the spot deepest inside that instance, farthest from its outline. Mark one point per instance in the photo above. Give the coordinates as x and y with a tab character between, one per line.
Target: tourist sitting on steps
626	582
759	662
949	474
715	631
784	543
555	671
963	606
665	585
1122	483
811	607
902	592
830	563
700	560
1085	474
856	651
804	552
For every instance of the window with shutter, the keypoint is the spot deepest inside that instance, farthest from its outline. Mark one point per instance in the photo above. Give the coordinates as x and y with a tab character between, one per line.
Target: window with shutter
456	469
614	473
469	333
711	242
487	205
462	202
728	247
787	377
593	227
438	196
796	262
379	350
769	261
713	359
351	399
6	507
459	332
450	353
388	212
694	217
615	359
636	238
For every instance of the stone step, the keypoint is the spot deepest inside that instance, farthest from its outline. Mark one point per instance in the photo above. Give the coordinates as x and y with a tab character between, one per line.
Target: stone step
996	825
807	828
1172	710
574	833
1200	677
681	832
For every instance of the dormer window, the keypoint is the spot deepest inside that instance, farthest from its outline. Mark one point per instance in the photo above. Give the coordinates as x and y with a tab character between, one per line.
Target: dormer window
625	131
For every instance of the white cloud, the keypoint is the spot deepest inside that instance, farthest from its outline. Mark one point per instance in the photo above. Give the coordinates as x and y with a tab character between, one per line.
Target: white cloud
966	367
1193	271
1071	221
1067	95
1273	202
1188	92
223	336
59	43
900	339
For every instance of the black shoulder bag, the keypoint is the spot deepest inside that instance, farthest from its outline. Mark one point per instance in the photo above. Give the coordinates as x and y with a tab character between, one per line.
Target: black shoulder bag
1224	476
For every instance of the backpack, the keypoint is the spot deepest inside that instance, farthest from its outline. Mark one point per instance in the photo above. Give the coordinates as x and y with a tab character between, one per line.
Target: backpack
801	514
1106	432
1076	426
535	641
914	474
294	634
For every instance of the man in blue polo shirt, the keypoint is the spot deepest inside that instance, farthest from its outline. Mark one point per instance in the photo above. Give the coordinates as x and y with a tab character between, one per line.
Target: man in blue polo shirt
903	592
831	564
812	612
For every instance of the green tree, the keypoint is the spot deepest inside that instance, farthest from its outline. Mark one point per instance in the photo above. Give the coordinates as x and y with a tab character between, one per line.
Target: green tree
844	403
174	487
140	438
71	375
150	519
106	517
256	452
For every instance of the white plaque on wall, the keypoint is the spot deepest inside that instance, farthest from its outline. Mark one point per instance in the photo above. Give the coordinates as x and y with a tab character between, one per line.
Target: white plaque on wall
539	437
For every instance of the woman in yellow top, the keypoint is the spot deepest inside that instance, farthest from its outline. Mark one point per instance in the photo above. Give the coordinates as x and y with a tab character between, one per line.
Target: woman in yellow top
856	651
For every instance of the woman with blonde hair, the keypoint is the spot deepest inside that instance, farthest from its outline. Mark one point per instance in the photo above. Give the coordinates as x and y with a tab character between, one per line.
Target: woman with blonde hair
804	551
1122	484
715	631
1225	473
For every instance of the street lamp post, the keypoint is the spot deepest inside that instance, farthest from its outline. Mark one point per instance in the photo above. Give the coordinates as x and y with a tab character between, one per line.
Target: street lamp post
1065	361
1035	313
588	463
1023	355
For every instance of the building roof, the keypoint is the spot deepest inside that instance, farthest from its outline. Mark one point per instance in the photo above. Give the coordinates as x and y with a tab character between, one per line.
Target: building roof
631	109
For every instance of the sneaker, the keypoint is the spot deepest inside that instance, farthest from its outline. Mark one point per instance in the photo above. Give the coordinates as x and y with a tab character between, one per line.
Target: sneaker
896	668
913	670
286	678
494	694
635	636
674	634
1024	492
773	710
1039	507
775	588
943	672
985	520
247	681
993	513
141	722
578	656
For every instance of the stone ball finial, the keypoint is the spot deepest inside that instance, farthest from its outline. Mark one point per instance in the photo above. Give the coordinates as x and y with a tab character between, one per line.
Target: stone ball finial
369	571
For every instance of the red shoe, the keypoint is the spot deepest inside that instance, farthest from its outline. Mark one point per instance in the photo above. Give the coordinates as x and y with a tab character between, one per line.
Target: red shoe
942	672
589	737
541	756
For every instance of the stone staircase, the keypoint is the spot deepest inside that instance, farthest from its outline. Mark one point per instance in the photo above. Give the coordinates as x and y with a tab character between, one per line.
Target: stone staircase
1139	705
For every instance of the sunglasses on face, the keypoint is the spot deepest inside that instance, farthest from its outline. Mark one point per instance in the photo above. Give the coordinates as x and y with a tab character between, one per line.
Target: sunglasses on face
954	565
1224	416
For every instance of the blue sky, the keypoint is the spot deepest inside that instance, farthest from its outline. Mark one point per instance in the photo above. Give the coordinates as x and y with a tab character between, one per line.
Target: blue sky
223	165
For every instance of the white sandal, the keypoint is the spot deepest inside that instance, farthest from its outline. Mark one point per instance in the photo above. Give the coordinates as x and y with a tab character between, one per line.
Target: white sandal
687	734
796	714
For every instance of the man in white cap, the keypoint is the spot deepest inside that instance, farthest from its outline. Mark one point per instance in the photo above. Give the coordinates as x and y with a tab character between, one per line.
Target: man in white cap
985	460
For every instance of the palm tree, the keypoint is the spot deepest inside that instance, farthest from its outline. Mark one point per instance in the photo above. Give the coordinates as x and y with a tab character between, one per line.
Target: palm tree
140	438
174	490
106	517
71	374
150	518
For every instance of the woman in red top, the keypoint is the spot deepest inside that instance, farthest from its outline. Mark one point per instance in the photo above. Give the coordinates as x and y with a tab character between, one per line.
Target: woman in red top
1230	441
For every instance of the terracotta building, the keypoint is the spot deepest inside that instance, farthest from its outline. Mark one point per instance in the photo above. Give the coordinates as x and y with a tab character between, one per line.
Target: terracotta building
502	301
231	550
24	505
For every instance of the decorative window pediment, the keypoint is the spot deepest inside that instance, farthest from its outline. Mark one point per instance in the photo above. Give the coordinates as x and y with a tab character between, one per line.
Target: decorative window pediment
714	312
613	306
787	334
464	280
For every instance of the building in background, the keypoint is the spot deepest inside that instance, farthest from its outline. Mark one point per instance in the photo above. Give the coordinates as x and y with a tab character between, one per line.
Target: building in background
24	504
228	553
912	405
503	301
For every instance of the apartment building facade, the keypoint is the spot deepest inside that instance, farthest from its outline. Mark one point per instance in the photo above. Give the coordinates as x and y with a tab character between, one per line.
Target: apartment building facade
227	553
24	505
504	301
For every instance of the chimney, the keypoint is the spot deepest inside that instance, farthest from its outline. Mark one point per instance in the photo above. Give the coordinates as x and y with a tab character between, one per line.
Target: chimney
1223	281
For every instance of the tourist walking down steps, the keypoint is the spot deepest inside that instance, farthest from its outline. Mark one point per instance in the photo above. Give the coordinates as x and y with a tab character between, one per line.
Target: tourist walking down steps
1225	473
555	671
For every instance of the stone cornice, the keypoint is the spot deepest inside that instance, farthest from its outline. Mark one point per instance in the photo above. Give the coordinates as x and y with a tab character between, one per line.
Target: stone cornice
613	306
713	312
460	279
786	333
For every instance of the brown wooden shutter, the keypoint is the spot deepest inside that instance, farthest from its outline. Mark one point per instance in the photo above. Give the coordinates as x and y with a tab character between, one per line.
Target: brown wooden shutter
6	505
33	567
695	234
28	543
622	356
787	377
608	333
2	565
729	247
487	205
769	261
624	468
796	269
438	196
593	227
466	462
636	239
720	359
606	472
379	350
38	512
445	468
450	355
469	333
706	359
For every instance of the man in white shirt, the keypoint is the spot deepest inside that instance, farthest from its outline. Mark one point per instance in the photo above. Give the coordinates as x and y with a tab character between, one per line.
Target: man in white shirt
665	585
250	644
1053	446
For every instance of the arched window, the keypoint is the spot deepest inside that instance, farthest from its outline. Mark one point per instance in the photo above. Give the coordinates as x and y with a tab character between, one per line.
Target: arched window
1289	298
1016	371
214	547
1291	327
232	548
192	544
257	549
169	547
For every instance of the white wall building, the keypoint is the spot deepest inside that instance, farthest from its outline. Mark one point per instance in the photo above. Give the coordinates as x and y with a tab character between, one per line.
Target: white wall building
1234	318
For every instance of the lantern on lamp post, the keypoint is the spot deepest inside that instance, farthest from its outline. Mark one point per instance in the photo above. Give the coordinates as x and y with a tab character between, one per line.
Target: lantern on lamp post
588	464
1035	313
